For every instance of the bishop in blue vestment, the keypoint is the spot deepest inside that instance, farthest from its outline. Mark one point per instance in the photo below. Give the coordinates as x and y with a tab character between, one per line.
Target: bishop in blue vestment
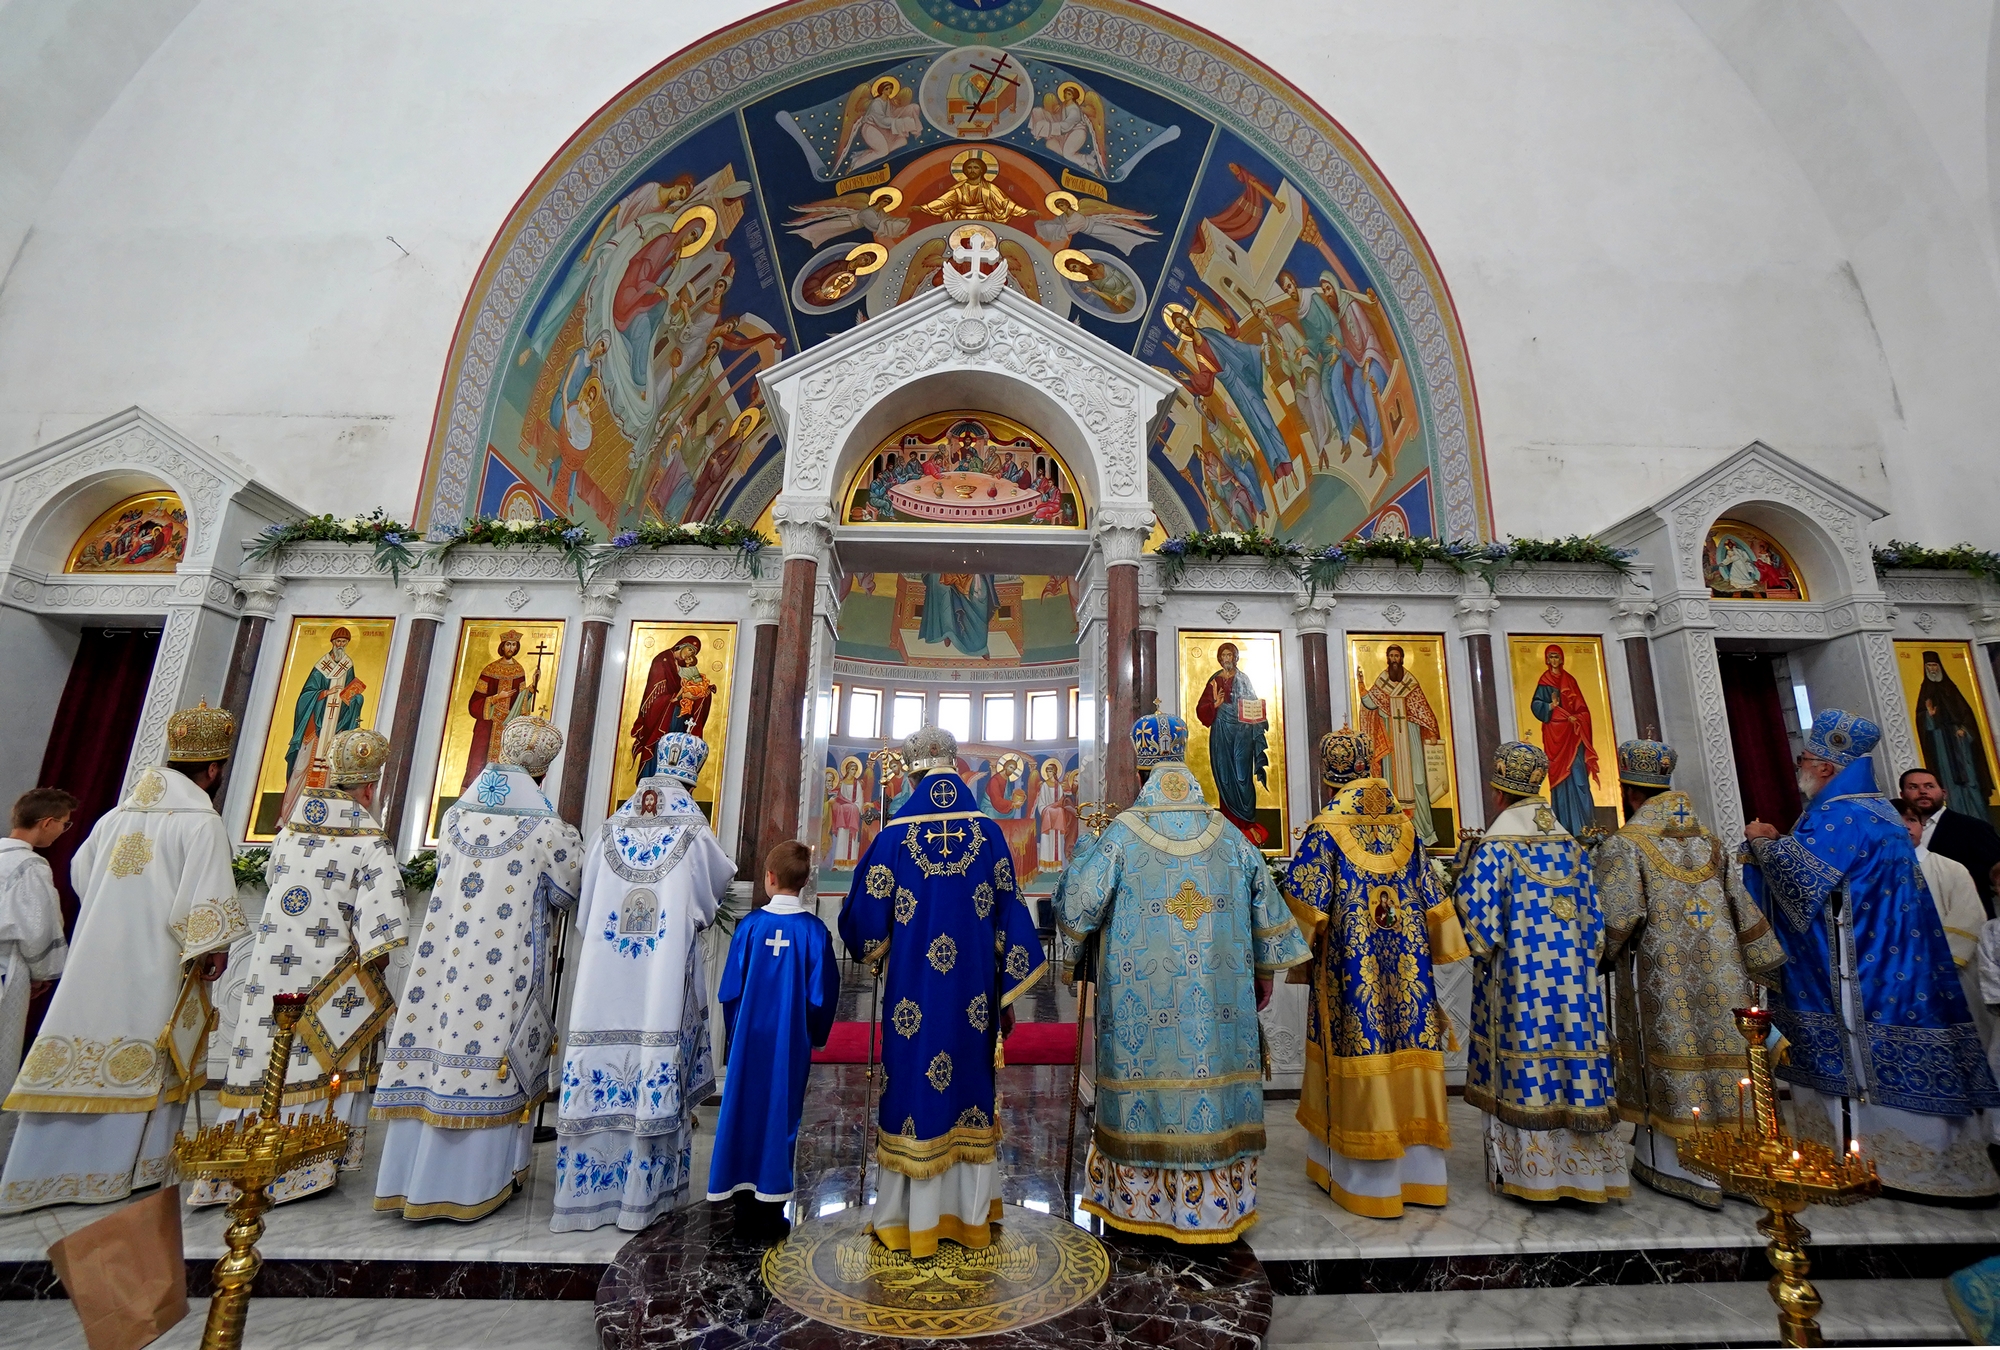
1883	1048
1194	932
778	993
934	897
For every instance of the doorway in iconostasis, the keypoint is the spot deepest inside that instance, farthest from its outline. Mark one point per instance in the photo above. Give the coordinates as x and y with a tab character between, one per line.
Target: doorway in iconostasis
990	656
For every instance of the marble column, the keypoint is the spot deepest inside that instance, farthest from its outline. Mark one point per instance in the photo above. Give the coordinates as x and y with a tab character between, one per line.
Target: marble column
1310	617
1475	622
750	812
1629	618
261	596
805	529
1121	541
1146	659
428	597
600	605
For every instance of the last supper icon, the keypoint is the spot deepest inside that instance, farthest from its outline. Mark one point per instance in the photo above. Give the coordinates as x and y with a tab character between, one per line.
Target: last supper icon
963	468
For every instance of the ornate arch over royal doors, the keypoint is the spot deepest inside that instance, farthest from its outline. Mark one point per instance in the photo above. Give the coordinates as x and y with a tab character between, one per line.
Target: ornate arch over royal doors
1840	638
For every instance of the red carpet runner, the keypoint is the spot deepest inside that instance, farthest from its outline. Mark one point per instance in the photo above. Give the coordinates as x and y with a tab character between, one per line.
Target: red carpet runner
1031	1043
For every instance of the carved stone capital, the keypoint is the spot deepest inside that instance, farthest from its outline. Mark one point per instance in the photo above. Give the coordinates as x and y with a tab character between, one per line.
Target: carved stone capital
1629	618
429	596
1149	617
1122	532
1313	616
1985	621
262	594
805	526
764	604
1475	609
600	601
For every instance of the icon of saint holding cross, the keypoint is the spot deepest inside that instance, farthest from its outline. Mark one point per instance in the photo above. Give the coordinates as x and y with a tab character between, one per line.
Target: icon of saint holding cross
934	901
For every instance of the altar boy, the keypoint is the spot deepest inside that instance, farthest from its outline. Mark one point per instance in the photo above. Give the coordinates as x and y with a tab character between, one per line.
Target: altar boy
778	994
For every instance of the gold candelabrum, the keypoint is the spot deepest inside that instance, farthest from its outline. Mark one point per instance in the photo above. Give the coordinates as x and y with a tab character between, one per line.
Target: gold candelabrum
251	1152
1096	816
1759	1161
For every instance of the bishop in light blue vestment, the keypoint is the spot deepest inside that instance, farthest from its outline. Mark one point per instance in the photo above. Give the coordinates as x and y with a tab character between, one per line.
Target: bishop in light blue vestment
1191	927
778	994
935	898
1883	1048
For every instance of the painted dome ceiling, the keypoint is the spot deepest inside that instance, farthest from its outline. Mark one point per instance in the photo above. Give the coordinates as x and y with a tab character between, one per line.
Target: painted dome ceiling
793	175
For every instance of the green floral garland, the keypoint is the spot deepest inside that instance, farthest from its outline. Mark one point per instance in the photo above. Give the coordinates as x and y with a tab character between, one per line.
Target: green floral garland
248	866
729	534
390	538
1900	553
1320	568
420	873
561	533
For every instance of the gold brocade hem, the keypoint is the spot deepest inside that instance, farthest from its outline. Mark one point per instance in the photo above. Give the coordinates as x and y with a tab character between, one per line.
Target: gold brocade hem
1178	1150
77	1105
1409	1059
1377	1145
1309	920
1184	1236
1028	982
518	1116
1106	1083
249	1099
71	1188
445	1209
1581	1120
1708	1197
1673	1129
1589	1197
376	953
1376	1206
924	1242
922	1159
1447	934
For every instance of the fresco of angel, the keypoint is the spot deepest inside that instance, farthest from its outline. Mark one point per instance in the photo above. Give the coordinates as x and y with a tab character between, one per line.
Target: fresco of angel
879	119
1070	122
1121	227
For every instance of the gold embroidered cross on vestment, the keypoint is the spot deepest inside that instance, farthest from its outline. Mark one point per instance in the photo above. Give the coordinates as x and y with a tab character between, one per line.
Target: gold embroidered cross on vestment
1189	904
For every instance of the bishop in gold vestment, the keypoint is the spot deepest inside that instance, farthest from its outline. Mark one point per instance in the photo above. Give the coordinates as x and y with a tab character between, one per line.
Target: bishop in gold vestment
1373	1104
1682	939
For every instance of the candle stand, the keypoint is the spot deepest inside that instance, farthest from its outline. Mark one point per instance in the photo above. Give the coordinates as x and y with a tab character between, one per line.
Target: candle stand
251	1152
1759	1161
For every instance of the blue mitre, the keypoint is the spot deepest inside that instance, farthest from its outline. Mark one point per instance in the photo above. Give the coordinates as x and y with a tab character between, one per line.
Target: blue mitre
1646	763
1841	737
679	755
1159	738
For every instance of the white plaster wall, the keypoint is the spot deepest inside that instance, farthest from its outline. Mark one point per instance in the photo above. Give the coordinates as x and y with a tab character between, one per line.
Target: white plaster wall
1670	227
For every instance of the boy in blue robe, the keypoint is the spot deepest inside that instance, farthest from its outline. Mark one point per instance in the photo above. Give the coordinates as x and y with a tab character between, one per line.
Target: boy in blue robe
778	994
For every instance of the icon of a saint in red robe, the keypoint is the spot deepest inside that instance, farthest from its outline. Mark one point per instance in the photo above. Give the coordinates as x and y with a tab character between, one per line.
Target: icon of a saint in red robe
1566	739
678	697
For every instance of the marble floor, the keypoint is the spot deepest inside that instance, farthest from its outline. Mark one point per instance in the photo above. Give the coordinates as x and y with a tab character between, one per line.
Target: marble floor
1371	1281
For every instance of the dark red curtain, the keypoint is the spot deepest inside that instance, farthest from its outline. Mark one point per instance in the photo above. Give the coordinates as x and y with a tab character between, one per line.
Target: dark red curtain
91	738
1765	773
89	743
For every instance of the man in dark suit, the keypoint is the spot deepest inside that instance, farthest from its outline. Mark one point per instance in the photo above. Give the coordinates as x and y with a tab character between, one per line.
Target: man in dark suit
1953	834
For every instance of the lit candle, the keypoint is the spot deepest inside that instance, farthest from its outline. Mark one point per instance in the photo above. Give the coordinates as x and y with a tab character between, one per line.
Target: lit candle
1697	1120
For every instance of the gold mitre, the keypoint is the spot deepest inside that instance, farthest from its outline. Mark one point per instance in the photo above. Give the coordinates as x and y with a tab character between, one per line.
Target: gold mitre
356	757
531	743
200	734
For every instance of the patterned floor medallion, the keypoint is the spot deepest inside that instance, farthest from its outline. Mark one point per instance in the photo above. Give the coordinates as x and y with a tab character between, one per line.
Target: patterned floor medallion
1038	1267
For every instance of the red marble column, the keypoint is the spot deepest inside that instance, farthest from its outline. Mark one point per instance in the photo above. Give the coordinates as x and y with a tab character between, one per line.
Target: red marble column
1485	708
1146	670
763	660
791	662
236	689
392	800
1645	695
583	720
1121	622
1319	696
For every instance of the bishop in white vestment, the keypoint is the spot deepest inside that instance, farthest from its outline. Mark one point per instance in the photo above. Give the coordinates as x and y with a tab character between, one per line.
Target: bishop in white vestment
102	1100
468	1055
636	1055
336	899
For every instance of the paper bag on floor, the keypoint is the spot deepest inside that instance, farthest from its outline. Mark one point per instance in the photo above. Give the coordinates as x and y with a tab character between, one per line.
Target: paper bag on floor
126	1274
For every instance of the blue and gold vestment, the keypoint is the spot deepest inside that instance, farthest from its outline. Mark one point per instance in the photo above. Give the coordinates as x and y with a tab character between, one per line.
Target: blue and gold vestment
1189	918
1540	1058
937	889
1916	1044
1376	1037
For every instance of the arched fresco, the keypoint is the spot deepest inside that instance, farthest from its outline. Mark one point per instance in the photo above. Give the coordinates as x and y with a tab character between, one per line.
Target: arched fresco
792	176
